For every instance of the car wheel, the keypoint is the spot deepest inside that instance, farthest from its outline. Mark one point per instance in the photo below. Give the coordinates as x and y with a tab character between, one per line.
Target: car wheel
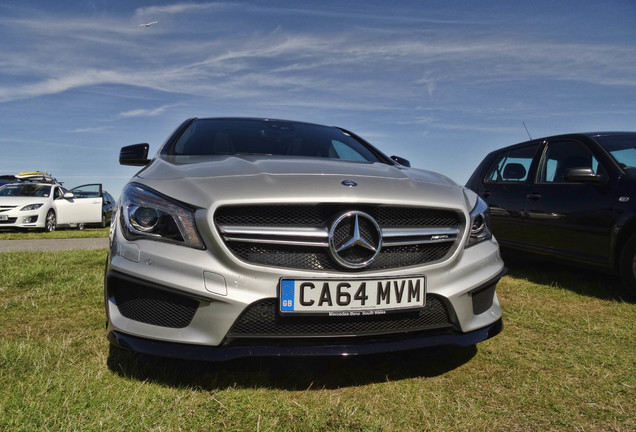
628	263
103	221
51	222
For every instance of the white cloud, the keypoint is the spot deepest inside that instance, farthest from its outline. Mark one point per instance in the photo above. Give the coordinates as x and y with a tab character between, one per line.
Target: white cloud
145	112
340	64
90	130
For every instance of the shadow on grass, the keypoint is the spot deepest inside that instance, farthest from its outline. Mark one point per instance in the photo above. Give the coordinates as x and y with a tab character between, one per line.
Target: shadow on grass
290	373
578	279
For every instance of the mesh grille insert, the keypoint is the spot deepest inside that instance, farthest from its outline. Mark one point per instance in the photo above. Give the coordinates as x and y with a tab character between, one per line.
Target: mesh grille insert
483	299
261	319
152	306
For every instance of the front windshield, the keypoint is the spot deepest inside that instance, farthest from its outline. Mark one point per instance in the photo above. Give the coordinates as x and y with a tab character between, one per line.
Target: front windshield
623	150
25	190
246	136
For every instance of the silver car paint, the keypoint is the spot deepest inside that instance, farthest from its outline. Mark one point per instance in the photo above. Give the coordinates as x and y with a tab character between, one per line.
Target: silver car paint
228	285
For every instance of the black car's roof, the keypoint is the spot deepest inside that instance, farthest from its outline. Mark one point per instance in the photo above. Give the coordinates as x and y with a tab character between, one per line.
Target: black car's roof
590	135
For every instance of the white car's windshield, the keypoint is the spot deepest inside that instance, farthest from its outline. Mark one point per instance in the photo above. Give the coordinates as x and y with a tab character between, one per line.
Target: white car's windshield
25	190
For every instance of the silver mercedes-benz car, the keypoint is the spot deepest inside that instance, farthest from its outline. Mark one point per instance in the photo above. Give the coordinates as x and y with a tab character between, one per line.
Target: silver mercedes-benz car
259	237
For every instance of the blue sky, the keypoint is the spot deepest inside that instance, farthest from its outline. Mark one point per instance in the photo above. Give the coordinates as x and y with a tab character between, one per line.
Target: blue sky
440	83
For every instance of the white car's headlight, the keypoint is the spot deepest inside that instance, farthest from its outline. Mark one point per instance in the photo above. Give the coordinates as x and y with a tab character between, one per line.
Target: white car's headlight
31	207
146	214
479	223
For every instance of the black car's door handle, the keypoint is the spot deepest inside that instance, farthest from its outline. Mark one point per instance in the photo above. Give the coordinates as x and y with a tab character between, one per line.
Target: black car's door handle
534	196
486	194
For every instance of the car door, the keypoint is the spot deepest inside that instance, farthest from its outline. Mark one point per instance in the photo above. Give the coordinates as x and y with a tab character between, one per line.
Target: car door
568	215
84	207
504	187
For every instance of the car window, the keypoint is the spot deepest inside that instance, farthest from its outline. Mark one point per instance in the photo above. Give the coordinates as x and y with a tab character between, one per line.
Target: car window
561	156
245	136
623	150
512	166
87	191
343	151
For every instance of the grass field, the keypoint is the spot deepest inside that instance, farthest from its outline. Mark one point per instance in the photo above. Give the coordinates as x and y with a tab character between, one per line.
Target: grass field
565	361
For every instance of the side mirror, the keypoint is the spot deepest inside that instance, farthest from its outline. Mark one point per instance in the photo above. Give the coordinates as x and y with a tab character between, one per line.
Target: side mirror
134	155
584	175
69	195
401	161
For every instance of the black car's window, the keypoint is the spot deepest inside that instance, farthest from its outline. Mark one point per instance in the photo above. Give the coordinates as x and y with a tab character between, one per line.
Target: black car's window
561	156
245	136
623	150
512	166
25	190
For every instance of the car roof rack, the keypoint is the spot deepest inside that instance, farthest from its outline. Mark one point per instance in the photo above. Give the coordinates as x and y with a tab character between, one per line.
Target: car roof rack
35	177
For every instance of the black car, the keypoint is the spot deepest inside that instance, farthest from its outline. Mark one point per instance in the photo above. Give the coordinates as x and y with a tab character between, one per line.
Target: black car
568	196
4	179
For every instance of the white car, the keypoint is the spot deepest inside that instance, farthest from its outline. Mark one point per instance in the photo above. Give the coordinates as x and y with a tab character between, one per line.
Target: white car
46	206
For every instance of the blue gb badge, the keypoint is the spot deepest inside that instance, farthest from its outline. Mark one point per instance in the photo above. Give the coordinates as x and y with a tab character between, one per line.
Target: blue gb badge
287	296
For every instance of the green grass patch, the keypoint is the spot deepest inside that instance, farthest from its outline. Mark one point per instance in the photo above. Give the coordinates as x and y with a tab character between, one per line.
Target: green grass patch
565	361
58	234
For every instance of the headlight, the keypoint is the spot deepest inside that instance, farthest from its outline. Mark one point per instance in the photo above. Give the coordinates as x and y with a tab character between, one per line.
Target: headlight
147	214
31	207
479	224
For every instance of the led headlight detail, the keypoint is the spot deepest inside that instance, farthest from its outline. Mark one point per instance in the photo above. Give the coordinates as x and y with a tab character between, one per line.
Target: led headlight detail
31	207
144	219
479	224
147	214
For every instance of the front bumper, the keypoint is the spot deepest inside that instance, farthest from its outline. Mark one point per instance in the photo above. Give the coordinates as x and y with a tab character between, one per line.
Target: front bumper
349	347
168	300
23	219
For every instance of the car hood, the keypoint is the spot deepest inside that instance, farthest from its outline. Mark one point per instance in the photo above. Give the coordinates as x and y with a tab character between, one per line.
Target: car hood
203	181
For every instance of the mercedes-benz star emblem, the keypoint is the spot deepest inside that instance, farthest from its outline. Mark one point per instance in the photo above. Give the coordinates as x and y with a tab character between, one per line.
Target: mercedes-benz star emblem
355	239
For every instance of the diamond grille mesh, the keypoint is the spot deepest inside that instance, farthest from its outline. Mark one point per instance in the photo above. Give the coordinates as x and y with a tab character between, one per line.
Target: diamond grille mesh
483	299
152	306
323	214
262	320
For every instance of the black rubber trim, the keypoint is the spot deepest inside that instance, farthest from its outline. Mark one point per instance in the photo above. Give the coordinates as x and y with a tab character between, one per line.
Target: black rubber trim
335	348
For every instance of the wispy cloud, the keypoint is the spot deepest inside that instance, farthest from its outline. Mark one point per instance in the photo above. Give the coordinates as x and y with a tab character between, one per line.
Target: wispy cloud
89	130
146	112
337	65
178	8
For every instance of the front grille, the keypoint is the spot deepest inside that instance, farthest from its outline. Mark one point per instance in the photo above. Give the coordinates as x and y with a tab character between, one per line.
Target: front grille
150	305
261	320
9	221
296	236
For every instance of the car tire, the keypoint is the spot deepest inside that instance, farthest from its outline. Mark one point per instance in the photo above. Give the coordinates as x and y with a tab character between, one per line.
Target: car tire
103	221
50	223
627	265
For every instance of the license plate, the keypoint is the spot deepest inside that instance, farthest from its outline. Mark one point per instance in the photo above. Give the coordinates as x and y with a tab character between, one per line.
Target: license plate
355	297
4	217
